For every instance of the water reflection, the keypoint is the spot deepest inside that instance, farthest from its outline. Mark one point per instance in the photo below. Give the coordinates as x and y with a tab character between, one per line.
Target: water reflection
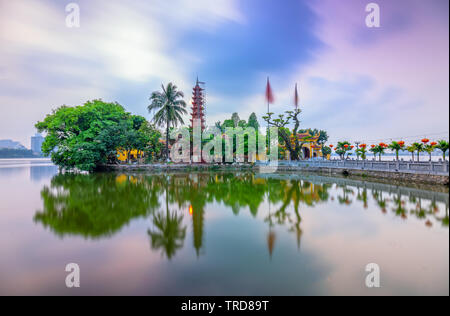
99	205
168	233
40	173
96	206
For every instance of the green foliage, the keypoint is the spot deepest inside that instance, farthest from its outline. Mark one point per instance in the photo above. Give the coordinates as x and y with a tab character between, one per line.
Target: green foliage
99	205
152	147
169	106
235	118
285	133
396	146
253	121
168	233
87	136
227	123
412	150
443	146
362	152
418	147
343	148
230	123
429	148
94	205
378	149
323	135
326	151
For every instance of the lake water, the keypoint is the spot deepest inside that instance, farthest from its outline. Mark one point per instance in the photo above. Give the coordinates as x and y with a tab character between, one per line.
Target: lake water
217	234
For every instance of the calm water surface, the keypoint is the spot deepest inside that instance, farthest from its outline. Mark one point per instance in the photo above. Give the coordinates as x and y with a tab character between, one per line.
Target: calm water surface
217	234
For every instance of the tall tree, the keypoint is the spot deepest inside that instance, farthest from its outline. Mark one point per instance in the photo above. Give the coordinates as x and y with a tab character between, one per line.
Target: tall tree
443	146
169	106
411	149
362	151
235	118
281	122
86	136
379	149
253	121
150	138
397	146
418	147
429	148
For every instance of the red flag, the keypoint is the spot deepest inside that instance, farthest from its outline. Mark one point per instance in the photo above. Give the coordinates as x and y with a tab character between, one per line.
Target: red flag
269	94
296	97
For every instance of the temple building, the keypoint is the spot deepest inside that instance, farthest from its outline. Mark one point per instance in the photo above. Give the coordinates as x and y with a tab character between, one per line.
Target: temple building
198	105
310	148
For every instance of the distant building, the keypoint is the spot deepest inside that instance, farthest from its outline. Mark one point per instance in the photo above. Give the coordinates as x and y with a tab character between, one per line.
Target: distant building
10	144
36	143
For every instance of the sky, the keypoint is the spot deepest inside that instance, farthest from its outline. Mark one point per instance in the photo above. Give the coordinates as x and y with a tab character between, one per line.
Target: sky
357	83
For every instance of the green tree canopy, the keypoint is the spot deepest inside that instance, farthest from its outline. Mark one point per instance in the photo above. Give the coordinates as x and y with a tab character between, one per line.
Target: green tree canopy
253	121
169	106
86	136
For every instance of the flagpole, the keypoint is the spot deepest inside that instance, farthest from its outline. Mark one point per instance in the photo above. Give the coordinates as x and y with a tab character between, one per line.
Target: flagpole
268	124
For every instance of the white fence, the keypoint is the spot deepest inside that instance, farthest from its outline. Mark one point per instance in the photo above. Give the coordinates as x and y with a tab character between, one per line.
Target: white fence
433	167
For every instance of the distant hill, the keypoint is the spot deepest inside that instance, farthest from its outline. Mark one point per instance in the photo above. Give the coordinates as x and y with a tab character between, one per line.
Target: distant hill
10	144
17	153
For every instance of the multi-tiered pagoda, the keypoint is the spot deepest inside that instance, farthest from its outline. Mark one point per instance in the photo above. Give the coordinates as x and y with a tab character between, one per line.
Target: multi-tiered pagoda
198	106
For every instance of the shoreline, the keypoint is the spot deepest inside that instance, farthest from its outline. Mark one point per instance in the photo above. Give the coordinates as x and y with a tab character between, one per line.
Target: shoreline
397	176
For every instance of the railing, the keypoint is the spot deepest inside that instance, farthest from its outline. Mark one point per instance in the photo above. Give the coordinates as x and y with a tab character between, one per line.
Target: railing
432	167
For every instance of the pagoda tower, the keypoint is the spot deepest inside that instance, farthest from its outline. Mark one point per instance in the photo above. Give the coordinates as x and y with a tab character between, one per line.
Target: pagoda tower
198	105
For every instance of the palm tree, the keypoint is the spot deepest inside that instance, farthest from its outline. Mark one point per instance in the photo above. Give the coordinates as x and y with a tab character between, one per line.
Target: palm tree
379	149
169	105
442	145
362	151
429	148
419	147
411	149
397	146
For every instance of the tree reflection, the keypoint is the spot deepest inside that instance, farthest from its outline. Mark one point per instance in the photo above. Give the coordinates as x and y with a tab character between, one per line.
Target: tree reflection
345	197
399	208
168	233
99	205
95	206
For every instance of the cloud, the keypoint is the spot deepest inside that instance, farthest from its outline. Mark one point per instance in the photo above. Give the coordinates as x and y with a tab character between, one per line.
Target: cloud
45	64
376	83
354	81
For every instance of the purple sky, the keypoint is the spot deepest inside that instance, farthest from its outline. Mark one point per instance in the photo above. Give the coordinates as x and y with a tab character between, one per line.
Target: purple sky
358	83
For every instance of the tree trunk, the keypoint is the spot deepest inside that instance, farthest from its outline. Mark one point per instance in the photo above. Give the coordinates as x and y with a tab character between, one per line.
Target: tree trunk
167	141
293	152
